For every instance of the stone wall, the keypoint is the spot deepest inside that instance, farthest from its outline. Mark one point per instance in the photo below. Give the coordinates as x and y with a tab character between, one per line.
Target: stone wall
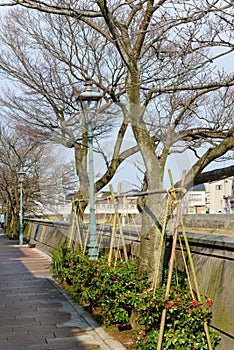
215	221
45	234
213	257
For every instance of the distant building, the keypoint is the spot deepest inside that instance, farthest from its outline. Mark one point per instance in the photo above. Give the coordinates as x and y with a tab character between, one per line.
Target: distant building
106	208
219	194
195	200
231	199
214	197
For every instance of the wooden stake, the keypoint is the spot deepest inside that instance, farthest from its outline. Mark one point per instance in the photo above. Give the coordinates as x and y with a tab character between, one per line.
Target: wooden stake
116	222
206	328
171	263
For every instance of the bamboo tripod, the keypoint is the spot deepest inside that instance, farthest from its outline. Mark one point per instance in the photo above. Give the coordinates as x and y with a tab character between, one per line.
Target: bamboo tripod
176	237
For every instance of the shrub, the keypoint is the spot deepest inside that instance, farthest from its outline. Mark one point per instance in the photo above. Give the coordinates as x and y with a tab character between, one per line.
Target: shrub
127	300
184	328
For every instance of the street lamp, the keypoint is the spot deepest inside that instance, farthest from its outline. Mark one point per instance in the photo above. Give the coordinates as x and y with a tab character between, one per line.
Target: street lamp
89	100
21	174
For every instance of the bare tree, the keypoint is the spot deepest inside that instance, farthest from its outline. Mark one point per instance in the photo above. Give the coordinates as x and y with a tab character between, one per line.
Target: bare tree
168	82
49	69
46	177
17	150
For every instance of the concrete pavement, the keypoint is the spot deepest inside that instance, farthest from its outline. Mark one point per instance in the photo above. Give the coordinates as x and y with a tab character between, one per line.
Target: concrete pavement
35	313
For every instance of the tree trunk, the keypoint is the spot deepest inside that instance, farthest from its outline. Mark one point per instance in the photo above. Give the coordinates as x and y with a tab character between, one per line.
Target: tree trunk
151	248
12	224
154	207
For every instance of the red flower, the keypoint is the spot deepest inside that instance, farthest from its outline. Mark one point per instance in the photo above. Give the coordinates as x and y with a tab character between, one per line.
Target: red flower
70	263
95	263
102	297
178	301
141	335
113	277
170	303
194	303
208	303
145	340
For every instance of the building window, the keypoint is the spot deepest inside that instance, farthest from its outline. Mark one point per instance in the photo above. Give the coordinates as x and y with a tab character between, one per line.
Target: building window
219	187
195	197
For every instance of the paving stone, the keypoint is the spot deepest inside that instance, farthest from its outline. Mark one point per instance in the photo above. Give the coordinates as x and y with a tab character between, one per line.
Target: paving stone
63	345
8	346
36	314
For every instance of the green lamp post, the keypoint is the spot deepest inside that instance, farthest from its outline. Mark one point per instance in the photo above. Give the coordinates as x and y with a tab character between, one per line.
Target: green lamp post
21	174
89	101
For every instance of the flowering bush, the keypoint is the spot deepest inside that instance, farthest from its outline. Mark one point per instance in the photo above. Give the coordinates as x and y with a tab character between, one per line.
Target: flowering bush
184	320
127	300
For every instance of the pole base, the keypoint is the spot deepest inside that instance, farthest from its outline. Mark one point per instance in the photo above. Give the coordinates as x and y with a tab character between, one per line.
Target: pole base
93	252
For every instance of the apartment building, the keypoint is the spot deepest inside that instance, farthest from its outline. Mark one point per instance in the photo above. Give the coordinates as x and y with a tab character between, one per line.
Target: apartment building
195	200
219	195
214	197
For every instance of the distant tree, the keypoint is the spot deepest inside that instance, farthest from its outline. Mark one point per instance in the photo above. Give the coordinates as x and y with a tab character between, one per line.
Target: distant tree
166	78
17	150
43	176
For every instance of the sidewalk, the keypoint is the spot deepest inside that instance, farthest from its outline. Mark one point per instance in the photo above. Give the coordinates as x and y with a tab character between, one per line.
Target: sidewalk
35	313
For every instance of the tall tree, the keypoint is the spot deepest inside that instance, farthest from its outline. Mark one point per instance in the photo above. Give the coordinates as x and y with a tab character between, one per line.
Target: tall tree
18	150
49	68
46	178
175	96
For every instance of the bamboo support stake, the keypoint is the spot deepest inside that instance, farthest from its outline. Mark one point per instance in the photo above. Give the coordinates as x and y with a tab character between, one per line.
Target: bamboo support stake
118	223
192	270
71	229
206	328
156	271
186	268
112	233
171	263
123	243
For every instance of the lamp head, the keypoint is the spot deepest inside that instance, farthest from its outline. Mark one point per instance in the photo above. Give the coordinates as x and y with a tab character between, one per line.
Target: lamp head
90	93
89	100
21	174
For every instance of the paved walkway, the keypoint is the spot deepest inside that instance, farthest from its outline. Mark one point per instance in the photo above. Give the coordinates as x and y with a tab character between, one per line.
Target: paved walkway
35	313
